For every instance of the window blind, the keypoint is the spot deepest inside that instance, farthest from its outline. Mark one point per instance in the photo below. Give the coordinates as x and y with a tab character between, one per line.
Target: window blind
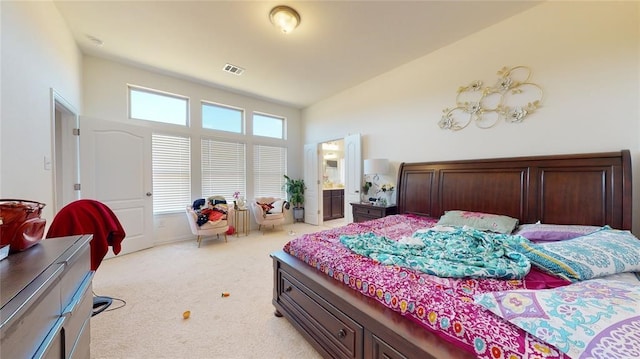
171	161
269	168
223	168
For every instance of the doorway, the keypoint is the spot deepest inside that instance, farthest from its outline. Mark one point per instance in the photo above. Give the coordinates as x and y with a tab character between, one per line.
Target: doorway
313	178
333	179
65	152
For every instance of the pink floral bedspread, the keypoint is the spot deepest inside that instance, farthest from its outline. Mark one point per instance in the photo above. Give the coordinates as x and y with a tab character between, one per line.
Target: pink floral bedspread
441	305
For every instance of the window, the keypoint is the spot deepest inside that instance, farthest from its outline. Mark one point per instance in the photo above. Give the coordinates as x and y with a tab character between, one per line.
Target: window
150	105
268	126
171	161
269	168
216	117
223	168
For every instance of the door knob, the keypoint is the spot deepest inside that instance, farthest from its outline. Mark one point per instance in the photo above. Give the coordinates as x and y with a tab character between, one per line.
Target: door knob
149	194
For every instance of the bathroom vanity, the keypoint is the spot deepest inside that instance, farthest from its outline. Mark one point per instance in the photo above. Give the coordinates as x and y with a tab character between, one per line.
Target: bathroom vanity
332	203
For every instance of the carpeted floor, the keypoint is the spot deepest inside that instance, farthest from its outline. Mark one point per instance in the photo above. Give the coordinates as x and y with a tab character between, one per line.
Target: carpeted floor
161	283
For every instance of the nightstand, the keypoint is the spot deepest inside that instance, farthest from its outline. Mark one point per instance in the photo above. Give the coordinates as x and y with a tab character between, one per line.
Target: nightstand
365	211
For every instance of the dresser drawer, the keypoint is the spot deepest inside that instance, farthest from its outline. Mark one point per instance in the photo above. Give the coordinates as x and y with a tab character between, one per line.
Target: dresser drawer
369	212
77	313
78	266
47	300
51	347
82	347
33	322
343	337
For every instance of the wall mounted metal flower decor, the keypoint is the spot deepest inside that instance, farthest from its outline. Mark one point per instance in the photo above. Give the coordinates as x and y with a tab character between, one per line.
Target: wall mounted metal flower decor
512	98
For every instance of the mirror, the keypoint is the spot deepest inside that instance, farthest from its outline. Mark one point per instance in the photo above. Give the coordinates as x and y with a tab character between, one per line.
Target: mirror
333	164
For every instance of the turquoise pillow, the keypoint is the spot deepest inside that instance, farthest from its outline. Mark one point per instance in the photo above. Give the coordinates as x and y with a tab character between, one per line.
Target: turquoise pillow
598	254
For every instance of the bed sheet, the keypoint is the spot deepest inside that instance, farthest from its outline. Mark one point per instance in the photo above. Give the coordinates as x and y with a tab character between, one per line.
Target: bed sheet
443	306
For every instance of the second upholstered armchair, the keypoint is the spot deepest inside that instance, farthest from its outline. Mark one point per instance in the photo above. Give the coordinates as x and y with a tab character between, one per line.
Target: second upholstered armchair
269	211
207	229
218	216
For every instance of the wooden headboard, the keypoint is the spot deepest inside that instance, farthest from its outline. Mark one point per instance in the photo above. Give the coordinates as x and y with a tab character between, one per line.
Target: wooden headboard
587	189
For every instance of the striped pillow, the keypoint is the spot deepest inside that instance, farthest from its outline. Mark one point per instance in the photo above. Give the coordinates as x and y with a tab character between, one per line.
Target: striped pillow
598	254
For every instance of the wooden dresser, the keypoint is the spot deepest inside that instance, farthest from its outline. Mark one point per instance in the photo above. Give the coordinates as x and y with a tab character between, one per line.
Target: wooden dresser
47	300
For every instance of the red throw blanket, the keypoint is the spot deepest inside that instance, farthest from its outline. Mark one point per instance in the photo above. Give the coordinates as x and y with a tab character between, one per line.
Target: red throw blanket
88	216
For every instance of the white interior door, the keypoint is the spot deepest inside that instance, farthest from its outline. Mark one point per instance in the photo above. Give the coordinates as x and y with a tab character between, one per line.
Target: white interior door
353	173
312	193
115	167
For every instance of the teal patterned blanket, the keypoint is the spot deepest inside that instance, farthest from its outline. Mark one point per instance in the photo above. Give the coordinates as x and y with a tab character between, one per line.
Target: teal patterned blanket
456	253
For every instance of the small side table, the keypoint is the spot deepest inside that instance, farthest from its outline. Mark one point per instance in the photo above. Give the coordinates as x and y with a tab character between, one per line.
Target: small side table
242	214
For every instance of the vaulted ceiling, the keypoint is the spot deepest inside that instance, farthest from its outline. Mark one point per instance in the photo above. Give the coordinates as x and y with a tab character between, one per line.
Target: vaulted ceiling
338	44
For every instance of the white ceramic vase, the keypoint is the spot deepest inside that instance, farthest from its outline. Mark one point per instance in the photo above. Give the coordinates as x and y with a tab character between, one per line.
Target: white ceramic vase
241	203
389	197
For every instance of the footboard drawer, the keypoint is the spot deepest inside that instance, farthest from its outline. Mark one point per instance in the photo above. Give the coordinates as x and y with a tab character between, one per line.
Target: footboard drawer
338	334
382	350
342	323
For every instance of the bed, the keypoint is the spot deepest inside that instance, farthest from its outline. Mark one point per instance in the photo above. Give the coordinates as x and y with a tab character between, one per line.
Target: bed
344	313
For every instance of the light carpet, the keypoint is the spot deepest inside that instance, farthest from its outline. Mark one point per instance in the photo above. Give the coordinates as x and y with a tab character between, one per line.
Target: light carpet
161	283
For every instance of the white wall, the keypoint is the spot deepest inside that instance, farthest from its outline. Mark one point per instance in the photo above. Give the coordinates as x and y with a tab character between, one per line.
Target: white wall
105	97
585	55
38	53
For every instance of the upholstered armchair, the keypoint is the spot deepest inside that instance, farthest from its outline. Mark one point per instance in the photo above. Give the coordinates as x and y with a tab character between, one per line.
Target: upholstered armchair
269	211
209	228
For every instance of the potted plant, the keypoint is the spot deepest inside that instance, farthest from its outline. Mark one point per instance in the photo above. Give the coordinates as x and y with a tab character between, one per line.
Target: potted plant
366	186
295	190
365	190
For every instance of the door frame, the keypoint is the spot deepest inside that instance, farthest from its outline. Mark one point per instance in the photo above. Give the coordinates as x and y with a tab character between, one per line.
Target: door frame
64	161
352	179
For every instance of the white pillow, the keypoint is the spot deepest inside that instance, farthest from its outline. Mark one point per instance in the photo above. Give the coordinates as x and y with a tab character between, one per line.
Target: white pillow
480	221
277	206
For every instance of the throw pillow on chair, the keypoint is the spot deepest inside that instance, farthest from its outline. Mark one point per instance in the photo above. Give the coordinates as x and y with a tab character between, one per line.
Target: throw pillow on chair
266	208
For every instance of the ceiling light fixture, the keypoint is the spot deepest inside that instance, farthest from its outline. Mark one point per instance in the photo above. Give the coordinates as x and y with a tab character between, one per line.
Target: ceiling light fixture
284	18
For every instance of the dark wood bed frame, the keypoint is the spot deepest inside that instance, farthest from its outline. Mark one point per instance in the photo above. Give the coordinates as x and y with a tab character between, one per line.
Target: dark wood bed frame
589	189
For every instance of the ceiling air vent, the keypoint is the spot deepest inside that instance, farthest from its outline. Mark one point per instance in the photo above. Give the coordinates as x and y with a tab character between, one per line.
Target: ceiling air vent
233	69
